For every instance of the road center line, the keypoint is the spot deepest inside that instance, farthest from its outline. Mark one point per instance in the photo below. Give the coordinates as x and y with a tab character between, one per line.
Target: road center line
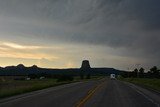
89	95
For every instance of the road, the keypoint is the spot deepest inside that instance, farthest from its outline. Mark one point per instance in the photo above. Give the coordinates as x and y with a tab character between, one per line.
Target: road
102	93
114	93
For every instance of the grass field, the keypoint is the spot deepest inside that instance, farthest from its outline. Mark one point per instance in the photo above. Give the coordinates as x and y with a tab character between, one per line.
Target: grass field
10	88
146	82
15	87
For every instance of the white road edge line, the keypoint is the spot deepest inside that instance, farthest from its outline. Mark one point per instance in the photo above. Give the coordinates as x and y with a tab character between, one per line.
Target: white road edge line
148	98
145	96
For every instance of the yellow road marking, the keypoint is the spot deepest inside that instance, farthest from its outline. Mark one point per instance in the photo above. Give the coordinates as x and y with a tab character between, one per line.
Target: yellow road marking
89	95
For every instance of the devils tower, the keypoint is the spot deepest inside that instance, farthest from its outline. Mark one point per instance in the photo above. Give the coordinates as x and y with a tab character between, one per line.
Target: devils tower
85	64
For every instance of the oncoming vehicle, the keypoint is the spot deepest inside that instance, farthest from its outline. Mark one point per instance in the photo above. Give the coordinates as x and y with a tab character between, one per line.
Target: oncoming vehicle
112	76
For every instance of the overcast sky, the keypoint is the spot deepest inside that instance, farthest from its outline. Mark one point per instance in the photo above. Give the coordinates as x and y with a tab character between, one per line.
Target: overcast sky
62	33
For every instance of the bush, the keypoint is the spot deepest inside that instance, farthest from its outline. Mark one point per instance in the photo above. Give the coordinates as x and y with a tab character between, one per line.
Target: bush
82	76
88	76
65	78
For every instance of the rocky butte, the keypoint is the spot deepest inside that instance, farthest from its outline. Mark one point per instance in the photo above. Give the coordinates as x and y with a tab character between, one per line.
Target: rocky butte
85	64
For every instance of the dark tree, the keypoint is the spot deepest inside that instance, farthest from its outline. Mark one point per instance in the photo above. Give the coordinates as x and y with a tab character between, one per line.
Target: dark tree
155	72
149	74
135	72
141	72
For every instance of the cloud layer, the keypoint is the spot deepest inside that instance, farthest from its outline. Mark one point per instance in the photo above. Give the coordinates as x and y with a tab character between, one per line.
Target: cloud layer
130	27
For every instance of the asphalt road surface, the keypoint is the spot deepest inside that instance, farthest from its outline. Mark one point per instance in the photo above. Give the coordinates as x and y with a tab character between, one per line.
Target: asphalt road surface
102	93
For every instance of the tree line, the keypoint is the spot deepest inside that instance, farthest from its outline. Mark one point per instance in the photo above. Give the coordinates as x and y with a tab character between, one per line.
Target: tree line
154	72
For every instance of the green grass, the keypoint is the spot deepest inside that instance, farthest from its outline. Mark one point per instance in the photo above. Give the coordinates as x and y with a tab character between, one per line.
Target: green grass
146	82
15	87
10	88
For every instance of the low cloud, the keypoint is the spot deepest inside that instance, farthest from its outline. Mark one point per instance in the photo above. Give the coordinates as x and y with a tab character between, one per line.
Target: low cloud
13	50
17	46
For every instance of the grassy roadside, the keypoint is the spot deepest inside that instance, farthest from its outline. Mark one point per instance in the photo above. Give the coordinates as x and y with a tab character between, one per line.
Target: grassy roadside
145	82
12	87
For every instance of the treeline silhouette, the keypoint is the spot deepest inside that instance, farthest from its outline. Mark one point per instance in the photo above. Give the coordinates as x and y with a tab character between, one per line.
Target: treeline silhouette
154	72
34	72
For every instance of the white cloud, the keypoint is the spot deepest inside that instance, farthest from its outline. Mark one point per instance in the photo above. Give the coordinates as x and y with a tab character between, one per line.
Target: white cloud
17	46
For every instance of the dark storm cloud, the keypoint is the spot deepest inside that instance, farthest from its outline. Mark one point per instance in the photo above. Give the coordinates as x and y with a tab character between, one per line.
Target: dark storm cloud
130	24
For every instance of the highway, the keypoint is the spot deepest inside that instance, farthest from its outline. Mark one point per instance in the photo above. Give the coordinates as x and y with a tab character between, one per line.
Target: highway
114	93
101	93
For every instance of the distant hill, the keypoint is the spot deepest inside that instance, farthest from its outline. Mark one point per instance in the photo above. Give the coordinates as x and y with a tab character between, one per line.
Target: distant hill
22	70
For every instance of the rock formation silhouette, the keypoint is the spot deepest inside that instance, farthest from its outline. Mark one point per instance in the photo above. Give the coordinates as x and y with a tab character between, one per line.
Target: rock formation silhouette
85	64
